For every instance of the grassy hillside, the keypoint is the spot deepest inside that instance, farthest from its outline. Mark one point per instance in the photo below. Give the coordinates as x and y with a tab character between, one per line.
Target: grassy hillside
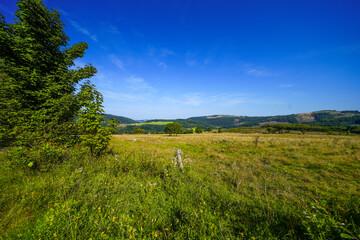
320	118
234	186
122	120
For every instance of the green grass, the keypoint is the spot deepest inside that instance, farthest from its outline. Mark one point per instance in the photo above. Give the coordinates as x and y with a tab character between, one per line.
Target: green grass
151	123
286	187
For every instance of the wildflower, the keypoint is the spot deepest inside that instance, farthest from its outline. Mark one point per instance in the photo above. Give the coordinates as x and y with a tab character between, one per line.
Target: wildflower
55	234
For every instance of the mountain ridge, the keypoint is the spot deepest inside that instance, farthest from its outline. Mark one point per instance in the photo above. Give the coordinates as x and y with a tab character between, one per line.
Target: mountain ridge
329	118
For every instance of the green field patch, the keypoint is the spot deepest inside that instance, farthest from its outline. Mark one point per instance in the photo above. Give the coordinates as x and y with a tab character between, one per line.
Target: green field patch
151	123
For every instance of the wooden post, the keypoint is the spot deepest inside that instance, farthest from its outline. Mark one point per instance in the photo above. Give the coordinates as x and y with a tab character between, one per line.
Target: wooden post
178	158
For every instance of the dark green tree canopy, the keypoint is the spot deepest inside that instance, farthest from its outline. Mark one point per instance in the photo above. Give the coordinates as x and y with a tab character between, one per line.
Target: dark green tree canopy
173	128
198	129
38	81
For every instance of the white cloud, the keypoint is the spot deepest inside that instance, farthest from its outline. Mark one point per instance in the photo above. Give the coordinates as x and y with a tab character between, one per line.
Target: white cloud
203	100
259	72
112	29
167	52
83	30
162	64
117	62
137	84
63	12
123	97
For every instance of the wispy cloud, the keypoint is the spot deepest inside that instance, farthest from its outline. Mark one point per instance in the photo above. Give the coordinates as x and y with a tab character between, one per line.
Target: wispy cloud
113	29
83	30
351	48
167	52
191	63
259	72
285	85
137	84
117	62
160	53
207	61
163	65
201	100
266	102
123	97
63	12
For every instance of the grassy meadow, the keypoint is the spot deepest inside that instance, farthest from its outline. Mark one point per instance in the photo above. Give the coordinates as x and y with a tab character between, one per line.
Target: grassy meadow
150	123
233	186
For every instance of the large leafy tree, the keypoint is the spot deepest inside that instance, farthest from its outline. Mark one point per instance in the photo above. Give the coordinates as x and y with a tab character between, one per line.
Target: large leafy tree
41	91
173	128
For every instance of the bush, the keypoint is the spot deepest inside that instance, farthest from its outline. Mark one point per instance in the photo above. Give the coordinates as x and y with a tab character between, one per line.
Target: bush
198	130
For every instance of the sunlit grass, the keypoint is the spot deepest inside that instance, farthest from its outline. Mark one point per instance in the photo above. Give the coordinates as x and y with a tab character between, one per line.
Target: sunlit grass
231	188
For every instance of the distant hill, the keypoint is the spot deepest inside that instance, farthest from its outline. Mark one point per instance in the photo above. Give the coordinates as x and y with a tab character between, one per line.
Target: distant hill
326	118
158	125
122	120
329	118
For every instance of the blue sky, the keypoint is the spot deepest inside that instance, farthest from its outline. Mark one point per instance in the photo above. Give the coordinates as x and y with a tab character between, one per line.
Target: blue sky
178	59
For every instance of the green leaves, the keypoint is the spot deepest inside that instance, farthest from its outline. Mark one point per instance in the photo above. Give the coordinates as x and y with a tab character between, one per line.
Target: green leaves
38	97
173	128
91	116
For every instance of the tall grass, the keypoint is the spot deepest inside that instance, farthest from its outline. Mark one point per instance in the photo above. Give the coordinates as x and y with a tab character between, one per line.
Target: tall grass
234	186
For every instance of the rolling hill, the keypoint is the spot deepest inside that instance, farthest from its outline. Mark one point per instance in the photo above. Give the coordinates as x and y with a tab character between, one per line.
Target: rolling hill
329	118
325	118
122	120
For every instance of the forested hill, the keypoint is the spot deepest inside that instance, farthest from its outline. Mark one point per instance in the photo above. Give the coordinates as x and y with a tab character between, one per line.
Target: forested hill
123	120
329	118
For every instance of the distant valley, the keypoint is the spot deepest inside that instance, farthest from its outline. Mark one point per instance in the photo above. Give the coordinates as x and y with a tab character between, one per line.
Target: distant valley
325	118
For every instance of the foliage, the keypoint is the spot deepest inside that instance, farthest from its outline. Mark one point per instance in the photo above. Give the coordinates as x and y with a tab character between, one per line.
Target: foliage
309	128
220	130
38	83
152	123
112	123
189	131
186	123
320	223
198	129
93	135
138	131
173	128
